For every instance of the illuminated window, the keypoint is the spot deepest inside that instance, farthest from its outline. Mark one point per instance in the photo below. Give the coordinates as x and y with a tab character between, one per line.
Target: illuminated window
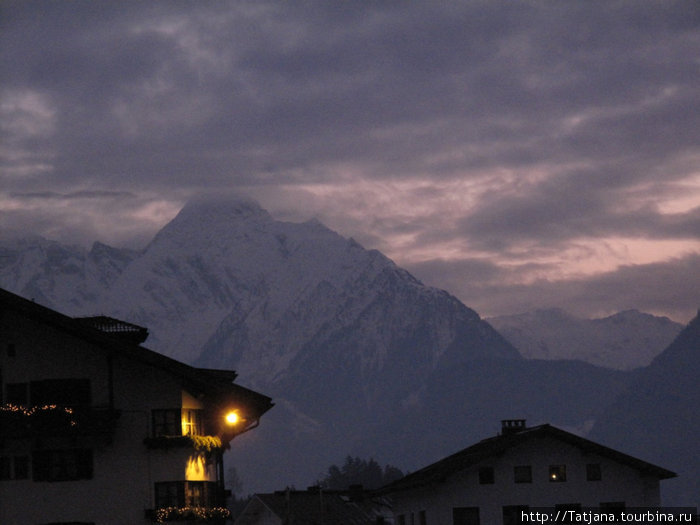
593	472
62	465
177	422
192	422
522	474
557	473
486	476
185	494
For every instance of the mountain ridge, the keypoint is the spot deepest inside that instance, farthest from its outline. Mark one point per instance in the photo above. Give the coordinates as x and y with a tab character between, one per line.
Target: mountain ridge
625	340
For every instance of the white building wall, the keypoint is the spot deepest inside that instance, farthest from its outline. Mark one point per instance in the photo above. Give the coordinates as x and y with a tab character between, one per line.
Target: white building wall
619	483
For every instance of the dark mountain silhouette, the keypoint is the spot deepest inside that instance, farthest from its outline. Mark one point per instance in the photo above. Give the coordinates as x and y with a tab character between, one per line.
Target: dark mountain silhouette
658	417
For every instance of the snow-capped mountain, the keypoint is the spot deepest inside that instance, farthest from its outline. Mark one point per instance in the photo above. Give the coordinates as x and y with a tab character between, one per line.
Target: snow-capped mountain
359	356
303	314
626	340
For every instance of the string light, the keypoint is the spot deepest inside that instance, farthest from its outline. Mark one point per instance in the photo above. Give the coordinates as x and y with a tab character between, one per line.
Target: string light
37	410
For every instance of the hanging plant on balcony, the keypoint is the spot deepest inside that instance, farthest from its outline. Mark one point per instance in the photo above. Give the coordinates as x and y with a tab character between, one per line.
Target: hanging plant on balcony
204	446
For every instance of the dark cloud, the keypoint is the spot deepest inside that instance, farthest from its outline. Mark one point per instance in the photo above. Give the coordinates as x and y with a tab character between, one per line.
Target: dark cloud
426	130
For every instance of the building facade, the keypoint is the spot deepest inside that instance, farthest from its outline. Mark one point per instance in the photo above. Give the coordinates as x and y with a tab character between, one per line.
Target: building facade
521	470
96	429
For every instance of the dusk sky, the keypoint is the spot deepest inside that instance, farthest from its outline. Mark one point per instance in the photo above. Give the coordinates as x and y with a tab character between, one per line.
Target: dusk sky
520	155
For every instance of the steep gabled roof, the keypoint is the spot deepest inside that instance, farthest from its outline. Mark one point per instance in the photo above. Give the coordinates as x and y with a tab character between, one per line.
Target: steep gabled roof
216	383
441	470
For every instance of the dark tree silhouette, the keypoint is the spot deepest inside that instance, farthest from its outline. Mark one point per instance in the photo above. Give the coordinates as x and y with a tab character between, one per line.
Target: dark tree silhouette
356	471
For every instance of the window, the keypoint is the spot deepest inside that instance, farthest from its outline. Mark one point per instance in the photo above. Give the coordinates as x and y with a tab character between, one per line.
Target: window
65	392
20	470
21	467
5	468
192	422
185	494
421	518
593	472
465	516
62	465
16	394
557	473
402	519
167	422
522	474
11	350
513	514
486	476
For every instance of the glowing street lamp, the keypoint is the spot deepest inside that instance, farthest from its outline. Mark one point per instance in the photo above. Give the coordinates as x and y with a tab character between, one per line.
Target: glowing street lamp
232	418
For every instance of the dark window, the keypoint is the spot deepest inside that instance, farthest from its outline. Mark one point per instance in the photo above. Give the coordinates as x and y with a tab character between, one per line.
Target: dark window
402	519
21	467
421	518
20	470
185	494
593	472
62	465
513	514
192	422
170	494
557	473
465	516
64	392
16	394
5	471
522	474
568	512
486	476
167	422
11	350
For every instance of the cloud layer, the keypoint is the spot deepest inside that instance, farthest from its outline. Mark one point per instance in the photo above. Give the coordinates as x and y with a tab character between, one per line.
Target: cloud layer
519	154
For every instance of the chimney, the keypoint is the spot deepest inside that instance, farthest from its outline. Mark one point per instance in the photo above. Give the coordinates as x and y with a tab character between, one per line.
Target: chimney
512	426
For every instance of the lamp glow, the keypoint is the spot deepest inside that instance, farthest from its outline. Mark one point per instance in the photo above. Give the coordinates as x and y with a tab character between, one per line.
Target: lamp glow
232	418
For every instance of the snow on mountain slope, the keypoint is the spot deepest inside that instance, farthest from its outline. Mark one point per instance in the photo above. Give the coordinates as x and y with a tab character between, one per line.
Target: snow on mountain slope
623	341
227	281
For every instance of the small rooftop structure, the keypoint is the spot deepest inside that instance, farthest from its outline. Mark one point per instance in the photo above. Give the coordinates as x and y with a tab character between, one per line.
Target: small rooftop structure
126	331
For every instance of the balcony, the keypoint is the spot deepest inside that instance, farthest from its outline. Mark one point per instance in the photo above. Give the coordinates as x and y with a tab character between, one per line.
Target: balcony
19	422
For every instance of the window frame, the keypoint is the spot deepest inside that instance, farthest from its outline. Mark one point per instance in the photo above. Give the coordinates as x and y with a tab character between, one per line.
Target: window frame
70	464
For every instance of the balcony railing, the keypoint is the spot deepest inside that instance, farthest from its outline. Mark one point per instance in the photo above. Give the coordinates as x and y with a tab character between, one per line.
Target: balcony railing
54	420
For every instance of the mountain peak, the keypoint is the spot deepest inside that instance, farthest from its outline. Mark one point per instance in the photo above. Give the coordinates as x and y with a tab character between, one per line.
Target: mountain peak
222	209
